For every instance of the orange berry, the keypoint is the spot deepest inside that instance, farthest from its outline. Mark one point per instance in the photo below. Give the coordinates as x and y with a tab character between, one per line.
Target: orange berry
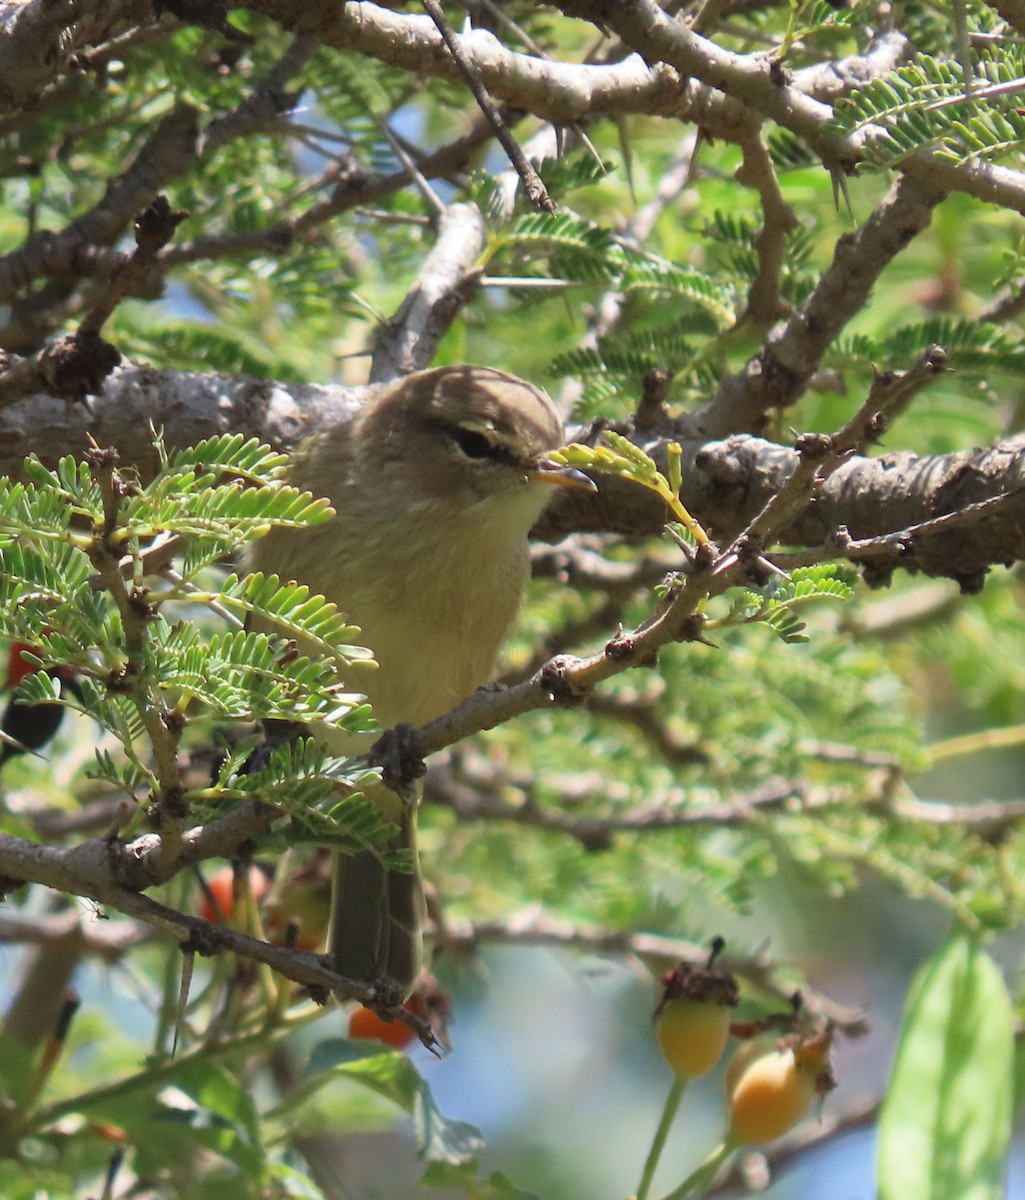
367	1025
775	1090
222	891
770	1097
692	1035
18	666
744	1055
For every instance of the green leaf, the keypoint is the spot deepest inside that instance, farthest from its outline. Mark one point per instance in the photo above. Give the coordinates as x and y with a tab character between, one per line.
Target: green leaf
659	278
924	105
183	1107
387	1072
586	250
562	175
776	602
232	454
130	777
496	1187
192	345
249	676
390	1074
294	1183
946	1122
297	611
440	1138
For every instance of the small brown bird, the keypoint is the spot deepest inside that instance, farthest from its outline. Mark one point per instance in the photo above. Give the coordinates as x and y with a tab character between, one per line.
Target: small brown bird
436	484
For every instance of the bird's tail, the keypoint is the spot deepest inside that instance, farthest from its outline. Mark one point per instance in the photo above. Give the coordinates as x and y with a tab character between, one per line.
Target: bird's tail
377	915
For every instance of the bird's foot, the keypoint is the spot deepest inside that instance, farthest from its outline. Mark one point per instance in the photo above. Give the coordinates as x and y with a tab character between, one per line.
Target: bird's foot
394	752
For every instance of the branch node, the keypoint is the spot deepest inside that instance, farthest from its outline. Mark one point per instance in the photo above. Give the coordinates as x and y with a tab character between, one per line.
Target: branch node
556	682
651	411
621	648
972	582
814	447
74	366
396	753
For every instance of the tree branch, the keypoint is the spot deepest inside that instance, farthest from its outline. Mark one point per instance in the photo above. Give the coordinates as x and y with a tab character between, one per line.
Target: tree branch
90	870
533	928
726	482
780	372
443	286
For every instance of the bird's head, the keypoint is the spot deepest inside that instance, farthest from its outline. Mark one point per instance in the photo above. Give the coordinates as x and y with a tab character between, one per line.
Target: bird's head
468	437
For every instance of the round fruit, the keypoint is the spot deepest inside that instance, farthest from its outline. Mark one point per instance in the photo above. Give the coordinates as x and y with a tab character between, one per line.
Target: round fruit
776	1090
219	904
366	1025
744	1055
692	1035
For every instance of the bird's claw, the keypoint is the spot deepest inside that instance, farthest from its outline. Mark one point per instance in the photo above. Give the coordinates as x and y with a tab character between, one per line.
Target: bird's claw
395	753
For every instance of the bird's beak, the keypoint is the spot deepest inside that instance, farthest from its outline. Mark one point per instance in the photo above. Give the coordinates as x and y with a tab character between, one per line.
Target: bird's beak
547	471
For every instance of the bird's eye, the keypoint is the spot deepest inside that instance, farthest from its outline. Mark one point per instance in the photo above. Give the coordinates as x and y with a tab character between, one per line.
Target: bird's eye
473	443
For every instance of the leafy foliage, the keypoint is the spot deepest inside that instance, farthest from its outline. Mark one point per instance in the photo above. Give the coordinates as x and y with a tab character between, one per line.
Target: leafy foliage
956	1053
776	782
976	349
925	105
621	457
776	602
223	492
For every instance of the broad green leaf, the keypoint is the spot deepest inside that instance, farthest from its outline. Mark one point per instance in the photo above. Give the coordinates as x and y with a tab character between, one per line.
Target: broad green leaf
387	1072
440	1138
496	1187
946	1123
392	1075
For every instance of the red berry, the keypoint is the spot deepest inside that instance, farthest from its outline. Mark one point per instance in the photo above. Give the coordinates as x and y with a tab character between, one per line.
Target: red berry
219	903
367	1025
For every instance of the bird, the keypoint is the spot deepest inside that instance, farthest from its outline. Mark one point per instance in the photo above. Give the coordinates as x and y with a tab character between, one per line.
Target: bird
435	484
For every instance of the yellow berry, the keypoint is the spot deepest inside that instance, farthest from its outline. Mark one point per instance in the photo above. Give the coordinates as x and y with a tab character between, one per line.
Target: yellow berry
692	1035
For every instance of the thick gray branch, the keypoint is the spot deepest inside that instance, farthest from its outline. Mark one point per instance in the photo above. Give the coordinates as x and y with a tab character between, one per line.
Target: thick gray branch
729	87
187	407
39	38
726	482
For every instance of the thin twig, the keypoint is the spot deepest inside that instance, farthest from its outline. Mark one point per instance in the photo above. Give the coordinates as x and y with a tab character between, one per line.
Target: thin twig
533	185
534	928
428	193
893	546
154	229
858	1115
